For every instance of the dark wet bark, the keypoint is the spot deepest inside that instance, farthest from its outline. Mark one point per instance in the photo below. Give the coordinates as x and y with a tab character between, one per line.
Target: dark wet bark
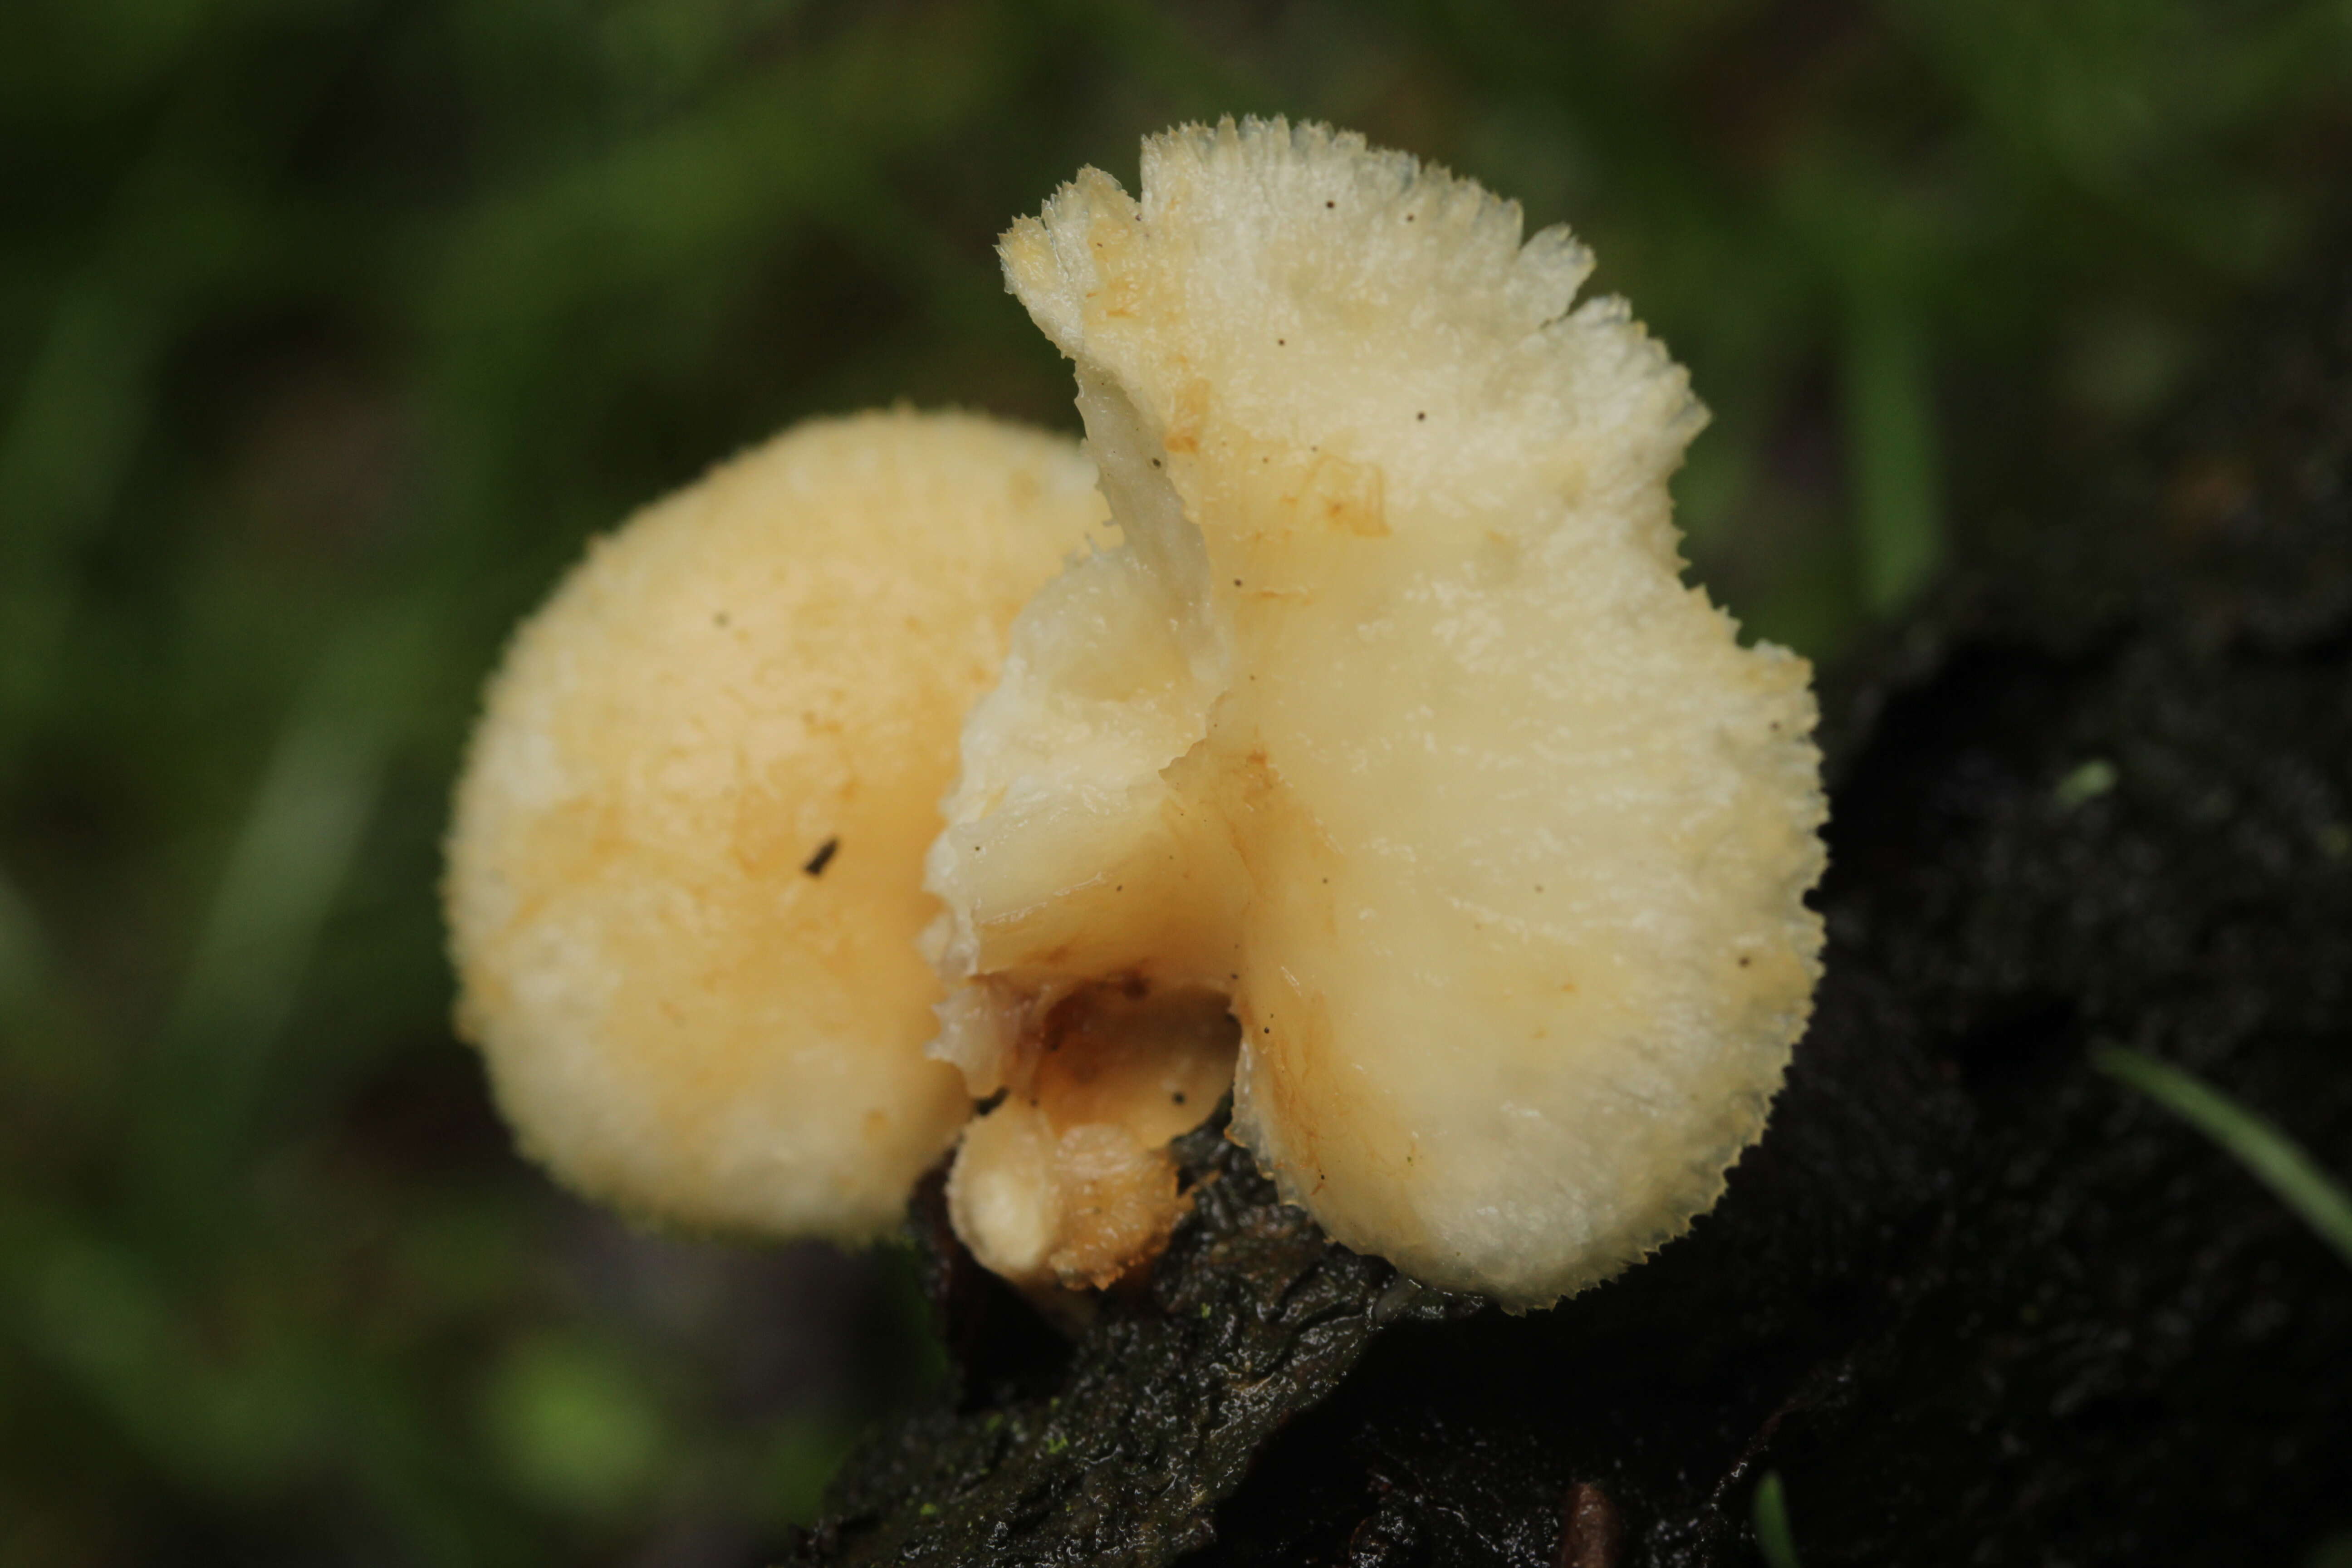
1117	1448
1975	1302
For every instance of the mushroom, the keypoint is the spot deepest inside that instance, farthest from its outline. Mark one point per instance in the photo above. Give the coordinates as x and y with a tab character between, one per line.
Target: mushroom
1386	772
684	875
1390	727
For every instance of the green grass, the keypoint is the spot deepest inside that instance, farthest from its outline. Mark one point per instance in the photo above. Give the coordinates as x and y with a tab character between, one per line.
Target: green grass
2268	1154
1774	1542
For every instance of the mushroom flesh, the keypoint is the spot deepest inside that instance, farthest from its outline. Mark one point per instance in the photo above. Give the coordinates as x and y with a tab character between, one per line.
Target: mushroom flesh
1385	771
685	877
1390	723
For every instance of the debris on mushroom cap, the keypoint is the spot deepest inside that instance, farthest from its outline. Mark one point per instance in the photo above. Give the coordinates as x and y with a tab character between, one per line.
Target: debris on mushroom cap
1392	720
685	876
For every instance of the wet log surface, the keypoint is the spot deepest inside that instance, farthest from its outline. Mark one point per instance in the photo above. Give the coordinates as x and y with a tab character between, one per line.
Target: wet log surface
1975	1302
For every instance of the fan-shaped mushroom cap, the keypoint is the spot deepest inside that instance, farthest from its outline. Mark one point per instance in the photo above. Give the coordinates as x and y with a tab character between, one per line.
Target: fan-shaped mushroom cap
685	877
1391	719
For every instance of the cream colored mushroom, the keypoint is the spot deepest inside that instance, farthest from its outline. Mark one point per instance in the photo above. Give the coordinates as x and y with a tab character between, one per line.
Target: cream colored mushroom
684	875
1390	723
1386	772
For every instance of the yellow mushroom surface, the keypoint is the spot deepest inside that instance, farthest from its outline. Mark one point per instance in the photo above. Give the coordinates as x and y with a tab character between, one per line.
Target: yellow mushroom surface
1392	723
685	876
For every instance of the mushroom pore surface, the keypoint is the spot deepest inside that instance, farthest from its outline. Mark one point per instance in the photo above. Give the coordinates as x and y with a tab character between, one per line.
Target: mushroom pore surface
685	874
1389	724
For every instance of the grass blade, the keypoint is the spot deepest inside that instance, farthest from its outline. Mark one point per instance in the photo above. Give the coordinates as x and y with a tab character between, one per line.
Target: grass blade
2275	1159
1891	448
287	868
24	952
1772	1535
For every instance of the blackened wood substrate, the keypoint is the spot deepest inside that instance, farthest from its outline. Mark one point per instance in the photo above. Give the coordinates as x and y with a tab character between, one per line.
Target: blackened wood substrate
1975	1302
1116	1449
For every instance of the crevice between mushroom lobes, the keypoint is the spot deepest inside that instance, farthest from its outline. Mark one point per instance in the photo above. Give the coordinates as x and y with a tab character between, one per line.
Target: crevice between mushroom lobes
1174	792
1090	984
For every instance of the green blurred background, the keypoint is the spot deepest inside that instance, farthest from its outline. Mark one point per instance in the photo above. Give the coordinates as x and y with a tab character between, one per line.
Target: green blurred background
330	329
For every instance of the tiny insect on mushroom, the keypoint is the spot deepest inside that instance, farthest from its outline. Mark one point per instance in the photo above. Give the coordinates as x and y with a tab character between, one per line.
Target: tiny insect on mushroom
1392	725
685	873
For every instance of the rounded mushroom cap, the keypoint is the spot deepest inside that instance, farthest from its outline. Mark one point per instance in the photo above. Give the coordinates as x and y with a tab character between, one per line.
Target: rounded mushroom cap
1494	834
684	875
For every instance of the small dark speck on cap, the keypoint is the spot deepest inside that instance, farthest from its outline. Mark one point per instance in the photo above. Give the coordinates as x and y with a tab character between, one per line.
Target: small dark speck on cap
823	858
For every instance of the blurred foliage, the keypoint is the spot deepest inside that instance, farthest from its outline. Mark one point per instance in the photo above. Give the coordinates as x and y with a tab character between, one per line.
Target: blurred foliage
330	329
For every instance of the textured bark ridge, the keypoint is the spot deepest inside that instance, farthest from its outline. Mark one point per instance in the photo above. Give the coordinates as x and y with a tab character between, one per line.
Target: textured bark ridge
1975	1302
1117	1448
